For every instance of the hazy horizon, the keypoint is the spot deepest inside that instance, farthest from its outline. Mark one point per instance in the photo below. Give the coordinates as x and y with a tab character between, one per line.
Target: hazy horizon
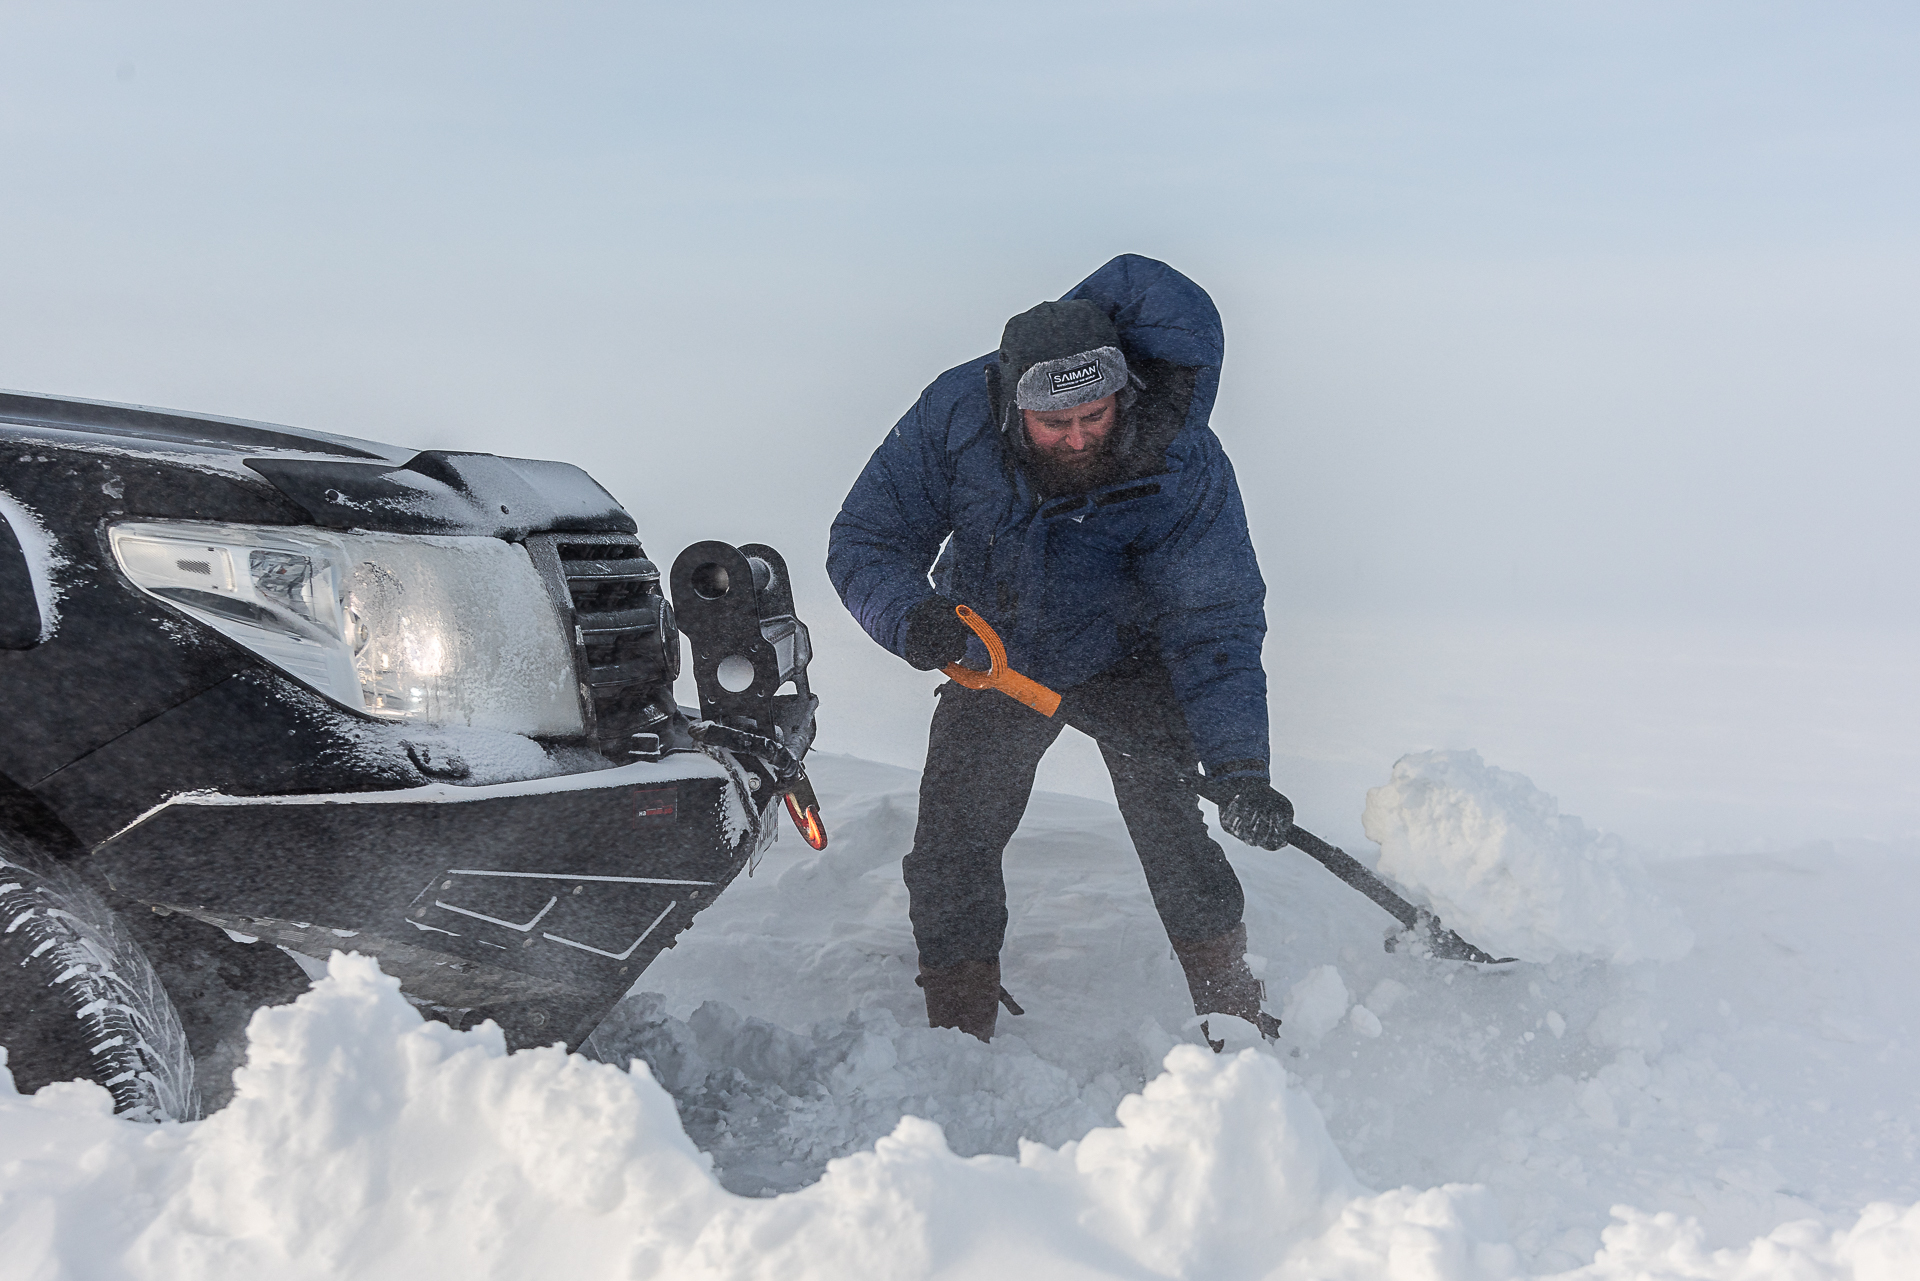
1550	319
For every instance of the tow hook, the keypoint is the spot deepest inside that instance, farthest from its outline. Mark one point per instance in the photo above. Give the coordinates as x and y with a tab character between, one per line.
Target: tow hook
788	774
805	810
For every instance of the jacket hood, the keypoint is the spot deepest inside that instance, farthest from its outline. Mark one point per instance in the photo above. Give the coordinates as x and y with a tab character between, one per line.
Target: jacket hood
1161	317
1163	323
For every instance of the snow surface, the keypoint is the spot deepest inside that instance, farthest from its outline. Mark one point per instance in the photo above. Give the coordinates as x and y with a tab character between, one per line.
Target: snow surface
1749	1108
1500	864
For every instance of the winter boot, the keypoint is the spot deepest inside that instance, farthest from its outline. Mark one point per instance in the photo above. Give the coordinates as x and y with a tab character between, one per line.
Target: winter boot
1220	981
966	996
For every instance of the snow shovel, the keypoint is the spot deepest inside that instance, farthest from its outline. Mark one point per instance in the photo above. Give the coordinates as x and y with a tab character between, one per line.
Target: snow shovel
1428	934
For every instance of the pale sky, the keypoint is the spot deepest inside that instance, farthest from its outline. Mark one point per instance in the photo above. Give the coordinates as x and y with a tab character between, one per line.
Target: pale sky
1558	311
1528	305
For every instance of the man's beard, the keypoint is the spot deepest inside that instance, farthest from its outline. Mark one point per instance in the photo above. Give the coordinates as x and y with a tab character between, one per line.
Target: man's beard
1054	478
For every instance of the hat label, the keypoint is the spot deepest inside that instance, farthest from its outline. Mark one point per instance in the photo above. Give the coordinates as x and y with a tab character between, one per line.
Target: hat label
1072	380
1067	381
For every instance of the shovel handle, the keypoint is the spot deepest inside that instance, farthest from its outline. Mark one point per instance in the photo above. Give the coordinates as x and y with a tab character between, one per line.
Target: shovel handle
998	675
1441	941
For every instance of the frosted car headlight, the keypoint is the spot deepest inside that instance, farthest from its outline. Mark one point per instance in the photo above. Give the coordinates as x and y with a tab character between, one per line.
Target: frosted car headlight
406	628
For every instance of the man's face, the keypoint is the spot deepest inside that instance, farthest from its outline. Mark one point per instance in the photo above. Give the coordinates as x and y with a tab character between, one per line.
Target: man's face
1074	437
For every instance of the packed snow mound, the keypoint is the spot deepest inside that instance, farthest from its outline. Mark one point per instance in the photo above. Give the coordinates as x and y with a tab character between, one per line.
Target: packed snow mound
1884	1245
1750	1084
1316	1004
773	1106
365	1142
1504	868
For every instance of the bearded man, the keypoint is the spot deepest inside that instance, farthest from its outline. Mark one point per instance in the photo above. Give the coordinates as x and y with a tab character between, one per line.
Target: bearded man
1068	489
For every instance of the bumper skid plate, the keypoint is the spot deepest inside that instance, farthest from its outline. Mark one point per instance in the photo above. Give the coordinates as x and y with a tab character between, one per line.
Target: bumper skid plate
534	904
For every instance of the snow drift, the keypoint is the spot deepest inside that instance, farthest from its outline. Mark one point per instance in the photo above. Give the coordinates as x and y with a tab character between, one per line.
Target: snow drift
1505	868
365	1142
795	1118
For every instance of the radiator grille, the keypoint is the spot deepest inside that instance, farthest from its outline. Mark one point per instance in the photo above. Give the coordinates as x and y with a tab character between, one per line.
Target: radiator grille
611	595
626	644
600	551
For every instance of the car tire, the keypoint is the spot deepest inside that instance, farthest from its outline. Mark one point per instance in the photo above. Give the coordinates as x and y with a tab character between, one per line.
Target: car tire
78	997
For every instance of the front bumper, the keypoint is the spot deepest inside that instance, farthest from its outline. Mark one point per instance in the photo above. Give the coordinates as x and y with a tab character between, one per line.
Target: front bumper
535	903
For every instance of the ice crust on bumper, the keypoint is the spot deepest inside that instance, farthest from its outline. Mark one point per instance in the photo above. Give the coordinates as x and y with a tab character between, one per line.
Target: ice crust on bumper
680	765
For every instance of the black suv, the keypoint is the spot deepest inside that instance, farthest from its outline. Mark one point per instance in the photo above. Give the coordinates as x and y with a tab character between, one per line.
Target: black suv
266	692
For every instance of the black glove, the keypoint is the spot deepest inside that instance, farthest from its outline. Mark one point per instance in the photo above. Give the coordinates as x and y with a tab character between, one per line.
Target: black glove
935	634
1257	814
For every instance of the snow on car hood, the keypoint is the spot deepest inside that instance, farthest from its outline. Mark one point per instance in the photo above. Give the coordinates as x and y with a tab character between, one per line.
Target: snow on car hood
447	493
341	482
43	557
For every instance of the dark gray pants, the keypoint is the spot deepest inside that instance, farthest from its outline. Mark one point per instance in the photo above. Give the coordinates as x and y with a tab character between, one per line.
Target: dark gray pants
982	750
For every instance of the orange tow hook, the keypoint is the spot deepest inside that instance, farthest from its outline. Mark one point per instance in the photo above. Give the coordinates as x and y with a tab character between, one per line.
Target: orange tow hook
804	807
998	675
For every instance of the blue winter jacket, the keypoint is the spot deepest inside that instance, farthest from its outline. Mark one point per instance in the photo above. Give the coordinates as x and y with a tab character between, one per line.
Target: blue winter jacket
1158	559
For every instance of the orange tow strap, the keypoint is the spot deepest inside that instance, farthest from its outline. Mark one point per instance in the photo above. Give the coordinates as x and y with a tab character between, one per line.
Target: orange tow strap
998	675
